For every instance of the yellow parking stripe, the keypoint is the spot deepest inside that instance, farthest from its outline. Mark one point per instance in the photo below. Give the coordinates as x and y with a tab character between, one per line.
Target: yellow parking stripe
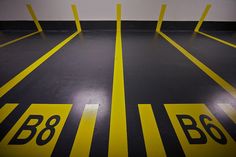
31	11
118	17
19	77
118	132
199	24
217	39
162	12
20	38
152	138
229	110
83	139
204	14
6	110
224	84
76	16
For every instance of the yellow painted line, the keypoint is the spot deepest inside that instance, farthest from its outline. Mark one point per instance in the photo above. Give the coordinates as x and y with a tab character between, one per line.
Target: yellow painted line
229	110
83	139
204	14
217	39
32	13
36	132
224	84
118	130
19	77
118	17
6	110
162	12
75	12
152	137
18	39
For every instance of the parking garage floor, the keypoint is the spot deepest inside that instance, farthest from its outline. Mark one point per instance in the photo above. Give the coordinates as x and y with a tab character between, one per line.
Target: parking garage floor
169	96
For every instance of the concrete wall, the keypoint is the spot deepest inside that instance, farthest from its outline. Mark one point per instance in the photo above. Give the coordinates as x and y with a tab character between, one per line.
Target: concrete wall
177	10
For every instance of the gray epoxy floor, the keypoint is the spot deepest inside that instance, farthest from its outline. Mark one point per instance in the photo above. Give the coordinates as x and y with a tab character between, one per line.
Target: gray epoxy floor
154	71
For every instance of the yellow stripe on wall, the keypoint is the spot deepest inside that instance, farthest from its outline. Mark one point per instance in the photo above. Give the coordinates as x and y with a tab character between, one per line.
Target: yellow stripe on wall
162	13
76	17
204	14
32	13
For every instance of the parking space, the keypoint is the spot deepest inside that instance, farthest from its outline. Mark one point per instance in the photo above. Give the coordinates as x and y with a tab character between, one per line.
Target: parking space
16	57
156	73
79	74
217	56
157	77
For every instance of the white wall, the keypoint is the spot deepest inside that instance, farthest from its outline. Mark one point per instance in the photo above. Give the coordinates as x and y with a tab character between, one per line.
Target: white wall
177	10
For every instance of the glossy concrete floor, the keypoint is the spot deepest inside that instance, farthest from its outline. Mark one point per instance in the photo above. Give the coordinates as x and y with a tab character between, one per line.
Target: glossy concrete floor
155	73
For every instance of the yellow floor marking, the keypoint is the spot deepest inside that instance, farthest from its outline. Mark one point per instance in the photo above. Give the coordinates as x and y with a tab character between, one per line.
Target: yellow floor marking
199	132
19	77
159	23
224	84
20	38
152	138
6	110
199	24
118	132
229	110
204	14
76	17
36	132
31	11
217	39
83	139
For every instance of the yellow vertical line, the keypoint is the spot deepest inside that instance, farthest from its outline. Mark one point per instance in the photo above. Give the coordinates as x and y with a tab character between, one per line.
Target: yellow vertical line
118	17
162	13
84	136
76	17
204	14
6	110
152	137
31	11
224	84
118	145
229	110
19	77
